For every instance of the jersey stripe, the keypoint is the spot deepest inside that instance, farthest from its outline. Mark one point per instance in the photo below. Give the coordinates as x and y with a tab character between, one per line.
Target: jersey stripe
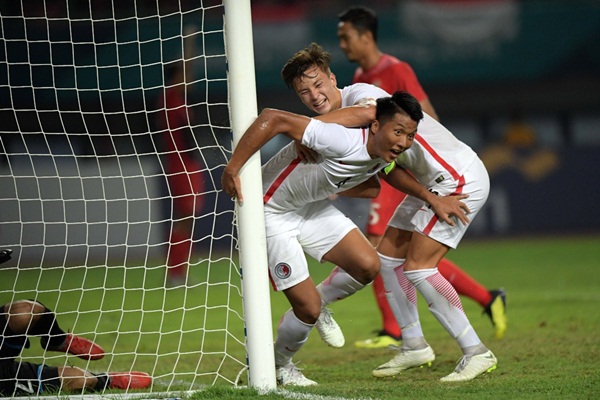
277	182
437	157
459	190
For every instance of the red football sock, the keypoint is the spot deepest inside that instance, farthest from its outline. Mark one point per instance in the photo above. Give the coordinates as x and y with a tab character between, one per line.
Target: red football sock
389	321
179	253
464	284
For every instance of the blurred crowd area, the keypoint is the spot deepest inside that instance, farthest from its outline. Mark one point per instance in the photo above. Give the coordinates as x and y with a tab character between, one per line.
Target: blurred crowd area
519	81
112	8
481	61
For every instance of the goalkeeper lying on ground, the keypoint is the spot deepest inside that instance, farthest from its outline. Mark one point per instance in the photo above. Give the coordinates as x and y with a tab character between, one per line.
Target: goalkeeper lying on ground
21	318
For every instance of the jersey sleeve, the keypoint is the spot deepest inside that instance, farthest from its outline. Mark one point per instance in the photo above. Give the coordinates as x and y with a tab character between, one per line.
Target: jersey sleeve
330	140
358	92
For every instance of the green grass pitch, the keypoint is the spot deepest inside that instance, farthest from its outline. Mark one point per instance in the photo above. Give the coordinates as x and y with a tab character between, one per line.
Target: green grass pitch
551	349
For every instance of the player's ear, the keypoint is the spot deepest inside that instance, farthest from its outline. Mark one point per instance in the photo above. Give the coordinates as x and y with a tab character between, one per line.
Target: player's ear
333	79
368	35
375	126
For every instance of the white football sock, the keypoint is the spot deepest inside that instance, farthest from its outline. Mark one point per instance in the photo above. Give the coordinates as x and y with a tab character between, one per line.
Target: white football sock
338	285
402	297
445	305
291	336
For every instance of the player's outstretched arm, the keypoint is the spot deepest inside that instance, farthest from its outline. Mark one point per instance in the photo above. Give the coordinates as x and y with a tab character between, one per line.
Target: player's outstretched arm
369	189
361	114
352	116
443	206
269	123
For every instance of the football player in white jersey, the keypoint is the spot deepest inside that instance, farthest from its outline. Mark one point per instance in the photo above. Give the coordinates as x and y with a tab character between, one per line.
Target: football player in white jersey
415	240
299	218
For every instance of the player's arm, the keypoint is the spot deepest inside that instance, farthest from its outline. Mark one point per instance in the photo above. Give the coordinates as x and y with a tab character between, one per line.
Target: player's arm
352	116
360	114
443	206
369	189
269	123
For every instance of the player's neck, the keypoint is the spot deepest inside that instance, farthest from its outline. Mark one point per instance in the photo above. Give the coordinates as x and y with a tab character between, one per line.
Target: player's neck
370	60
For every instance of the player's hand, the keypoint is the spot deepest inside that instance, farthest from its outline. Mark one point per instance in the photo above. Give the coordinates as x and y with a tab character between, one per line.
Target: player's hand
230	183
306	154
446	207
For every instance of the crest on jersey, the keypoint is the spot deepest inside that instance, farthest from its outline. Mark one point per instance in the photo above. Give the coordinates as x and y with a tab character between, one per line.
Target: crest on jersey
283	270
375	168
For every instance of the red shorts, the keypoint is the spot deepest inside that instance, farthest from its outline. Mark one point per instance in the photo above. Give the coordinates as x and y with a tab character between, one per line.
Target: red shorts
382	208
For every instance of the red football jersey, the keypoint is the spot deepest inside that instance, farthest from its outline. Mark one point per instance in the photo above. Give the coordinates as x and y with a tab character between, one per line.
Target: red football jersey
391	75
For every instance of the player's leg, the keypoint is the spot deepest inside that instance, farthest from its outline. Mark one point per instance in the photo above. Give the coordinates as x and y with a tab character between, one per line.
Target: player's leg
288	272
357	257
402	297
430	242
31	379
40	379
15	318
293	330
381	210
179	251
74	379
492	301
27	317
464	284
444	302
328	235
185	188
390	334
357	265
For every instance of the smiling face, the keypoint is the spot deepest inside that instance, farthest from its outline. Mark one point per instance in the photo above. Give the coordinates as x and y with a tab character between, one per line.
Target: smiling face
391	138
318	90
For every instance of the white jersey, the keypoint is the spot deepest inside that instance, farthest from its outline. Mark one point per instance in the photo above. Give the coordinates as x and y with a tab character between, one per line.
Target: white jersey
289	184
435	154
359	91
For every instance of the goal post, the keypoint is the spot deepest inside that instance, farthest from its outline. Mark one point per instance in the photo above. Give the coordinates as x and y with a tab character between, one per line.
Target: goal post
251	224
102	148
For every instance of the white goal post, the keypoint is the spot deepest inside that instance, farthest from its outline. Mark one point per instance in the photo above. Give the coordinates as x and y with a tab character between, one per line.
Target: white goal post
251	224
99	161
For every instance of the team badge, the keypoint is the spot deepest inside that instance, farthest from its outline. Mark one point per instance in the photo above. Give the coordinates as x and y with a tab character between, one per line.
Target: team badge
283	271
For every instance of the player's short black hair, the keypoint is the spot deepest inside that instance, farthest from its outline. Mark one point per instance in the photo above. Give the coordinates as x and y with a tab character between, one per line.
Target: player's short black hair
400	102
313	55
362	18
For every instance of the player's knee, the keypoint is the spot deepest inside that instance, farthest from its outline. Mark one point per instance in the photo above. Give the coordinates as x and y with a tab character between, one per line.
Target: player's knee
74	378
308	313
369	268
20	315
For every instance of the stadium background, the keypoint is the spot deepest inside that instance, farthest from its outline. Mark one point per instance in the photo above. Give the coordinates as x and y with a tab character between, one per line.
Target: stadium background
483	63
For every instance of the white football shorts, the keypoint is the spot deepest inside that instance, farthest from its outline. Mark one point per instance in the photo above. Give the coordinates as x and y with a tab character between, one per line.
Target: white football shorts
319	229
413	214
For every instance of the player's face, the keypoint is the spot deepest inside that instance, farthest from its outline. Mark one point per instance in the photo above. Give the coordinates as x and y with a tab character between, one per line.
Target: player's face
351	42
392	138
318	90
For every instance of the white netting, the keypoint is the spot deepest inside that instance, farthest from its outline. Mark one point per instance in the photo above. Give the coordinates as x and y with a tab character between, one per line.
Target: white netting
86	200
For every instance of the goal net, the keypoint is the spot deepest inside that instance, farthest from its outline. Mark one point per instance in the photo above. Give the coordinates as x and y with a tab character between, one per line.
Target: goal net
115	129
